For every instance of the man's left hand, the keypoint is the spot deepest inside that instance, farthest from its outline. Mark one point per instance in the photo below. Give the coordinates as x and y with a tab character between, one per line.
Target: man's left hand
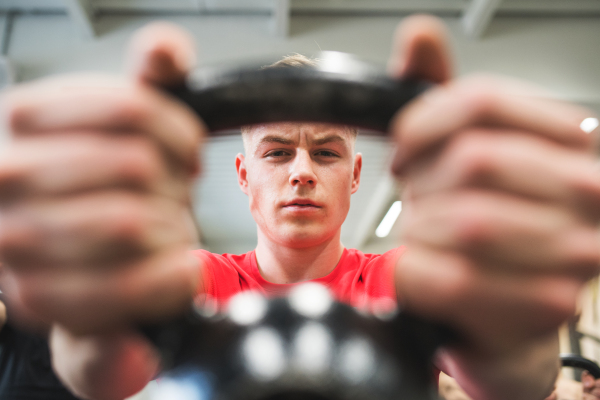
500	210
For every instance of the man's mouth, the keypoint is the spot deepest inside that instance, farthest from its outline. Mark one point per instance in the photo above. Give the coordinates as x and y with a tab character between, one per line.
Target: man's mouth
301	204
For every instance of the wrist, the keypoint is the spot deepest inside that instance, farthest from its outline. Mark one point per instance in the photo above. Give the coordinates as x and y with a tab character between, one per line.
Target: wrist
106	366
526	372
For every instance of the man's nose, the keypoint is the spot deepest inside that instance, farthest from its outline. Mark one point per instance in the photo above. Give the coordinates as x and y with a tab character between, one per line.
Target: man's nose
302	172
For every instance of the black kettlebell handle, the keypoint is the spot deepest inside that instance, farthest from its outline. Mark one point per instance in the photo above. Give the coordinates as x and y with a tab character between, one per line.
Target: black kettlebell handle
577	361
340	89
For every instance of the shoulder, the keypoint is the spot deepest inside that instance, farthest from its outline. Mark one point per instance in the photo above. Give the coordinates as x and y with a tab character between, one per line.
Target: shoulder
230	260
358	258
224	275
371	286
222	265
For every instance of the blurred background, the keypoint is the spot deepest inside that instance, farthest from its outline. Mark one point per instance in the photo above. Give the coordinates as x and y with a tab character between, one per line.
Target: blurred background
552	43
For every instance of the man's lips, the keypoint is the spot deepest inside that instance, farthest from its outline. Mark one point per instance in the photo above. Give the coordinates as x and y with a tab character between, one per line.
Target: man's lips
301	203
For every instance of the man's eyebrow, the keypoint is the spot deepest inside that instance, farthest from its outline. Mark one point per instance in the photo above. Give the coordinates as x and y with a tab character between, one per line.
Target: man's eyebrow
328	139
275	139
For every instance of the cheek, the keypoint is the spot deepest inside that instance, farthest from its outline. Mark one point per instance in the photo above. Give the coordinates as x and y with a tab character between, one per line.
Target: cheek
262	189
341	182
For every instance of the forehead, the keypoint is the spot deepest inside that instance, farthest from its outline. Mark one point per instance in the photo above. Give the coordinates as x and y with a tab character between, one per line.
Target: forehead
296	133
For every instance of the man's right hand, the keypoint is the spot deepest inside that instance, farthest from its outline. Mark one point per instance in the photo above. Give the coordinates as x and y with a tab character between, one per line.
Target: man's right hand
94	192
591	386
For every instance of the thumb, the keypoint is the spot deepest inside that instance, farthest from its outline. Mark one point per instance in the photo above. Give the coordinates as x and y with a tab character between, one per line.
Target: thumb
161	54
420	50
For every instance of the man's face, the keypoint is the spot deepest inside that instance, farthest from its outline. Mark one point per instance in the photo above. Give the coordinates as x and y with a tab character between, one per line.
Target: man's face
299	179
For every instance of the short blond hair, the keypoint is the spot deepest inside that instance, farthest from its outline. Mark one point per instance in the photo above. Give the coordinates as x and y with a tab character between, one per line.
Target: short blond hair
293	61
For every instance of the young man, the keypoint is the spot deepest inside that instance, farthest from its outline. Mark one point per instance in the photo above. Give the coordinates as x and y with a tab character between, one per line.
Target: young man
500	223
299	179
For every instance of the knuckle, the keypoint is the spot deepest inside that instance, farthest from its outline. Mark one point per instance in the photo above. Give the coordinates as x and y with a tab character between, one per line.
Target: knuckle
555	300
131	110
31	294
139	162
456	285
563	307
584	184
583	254
13	114
479	96
129	218
472	157
15	237
162	281
470	220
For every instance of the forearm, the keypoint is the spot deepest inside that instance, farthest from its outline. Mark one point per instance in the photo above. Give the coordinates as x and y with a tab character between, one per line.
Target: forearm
103	367
527	373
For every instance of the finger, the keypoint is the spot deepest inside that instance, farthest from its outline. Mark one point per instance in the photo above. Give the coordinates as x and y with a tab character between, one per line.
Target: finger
61	164
483	303
587	380
100	103
161	54
483	101
514	163
420	50
98	230
505	233
92	301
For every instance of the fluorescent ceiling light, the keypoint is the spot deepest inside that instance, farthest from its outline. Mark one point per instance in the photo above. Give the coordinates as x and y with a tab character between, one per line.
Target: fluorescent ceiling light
388	221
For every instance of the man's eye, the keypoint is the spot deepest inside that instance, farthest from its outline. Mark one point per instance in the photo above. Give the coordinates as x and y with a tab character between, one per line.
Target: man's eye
277	153
325	153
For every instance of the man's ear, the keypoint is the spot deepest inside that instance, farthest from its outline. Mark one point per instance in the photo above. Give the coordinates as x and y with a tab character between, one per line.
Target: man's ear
240	167
356	172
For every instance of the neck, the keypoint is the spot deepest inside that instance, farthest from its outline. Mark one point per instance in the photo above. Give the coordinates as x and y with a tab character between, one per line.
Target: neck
280	264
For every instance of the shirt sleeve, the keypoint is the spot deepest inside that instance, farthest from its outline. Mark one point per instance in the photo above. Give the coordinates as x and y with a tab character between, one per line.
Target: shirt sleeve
379	275
220	279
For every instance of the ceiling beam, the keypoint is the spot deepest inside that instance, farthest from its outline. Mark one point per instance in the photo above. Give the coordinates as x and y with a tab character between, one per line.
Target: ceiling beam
478	16
32	5
317	7
281	18
377	6
82	15
6	24
359	7
7	71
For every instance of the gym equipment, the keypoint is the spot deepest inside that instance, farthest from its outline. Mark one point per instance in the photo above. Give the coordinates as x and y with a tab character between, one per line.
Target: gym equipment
305	346
340	89
577	361
302	347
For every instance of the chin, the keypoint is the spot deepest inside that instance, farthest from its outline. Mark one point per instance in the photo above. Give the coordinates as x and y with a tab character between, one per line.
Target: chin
302	238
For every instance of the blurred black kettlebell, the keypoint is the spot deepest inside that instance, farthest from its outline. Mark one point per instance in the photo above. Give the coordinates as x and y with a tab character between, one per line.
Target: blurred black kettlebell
304	346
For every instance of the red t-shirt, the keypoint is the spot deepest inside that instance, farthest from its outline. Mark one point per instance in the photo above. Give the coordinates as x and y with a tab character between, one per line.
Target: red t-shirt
360	280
